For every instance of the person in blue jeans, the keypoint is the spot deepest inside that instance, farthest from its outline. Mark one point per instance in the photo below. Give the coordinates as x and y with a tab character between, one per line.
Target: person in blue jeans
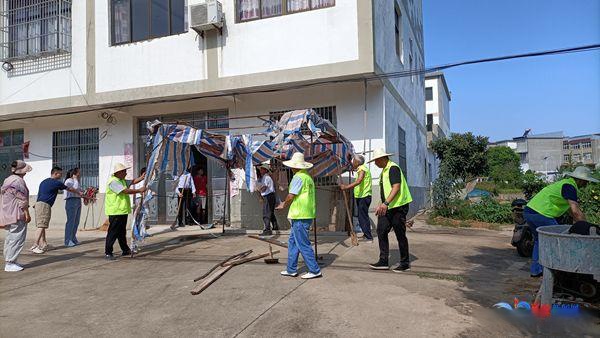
302	212
72	207
552	202
362	195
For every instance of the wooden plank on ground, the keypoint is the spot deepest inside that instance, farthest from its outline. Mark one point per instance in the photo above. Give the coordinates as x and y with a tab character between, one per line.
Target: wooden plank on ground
249	259
206	282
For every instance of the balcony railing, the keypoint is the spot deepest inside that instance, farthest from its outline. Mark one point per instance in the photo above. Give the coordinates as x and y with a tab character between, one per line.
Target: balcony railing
32	29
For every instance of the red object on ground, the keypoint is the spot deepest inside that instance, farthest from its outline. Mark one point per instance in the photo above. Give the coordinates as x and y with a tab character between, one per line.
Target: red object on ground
541	310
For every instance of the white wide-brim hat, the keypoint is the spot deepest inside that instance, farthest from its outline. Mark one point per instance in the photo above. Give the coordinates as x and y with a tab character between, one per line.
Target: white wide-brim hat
582	173
298	162
379	153
119	167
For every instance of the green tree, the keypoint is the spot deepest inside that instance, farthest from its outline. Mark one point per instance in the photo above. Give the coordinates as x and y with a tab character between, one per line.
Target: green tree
504	166
531	183
463	155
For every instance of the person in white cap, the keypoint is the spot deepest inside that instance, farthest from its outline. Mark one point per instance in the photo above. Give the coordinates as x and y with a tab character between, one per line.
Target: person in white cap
391	213
552	202
117	206
14	214
302	203
267	192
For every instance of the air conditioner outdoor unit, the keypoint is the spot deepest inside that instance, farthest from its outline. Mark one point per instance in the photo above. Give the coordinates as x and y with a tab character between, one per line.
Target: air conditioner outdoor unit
206	16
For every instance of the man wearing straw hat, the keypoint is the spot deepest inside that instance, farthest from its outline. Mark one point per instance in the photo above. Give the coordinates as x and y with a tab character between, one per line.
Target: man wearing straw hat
552	202
117	205
391	213
362	195
301	200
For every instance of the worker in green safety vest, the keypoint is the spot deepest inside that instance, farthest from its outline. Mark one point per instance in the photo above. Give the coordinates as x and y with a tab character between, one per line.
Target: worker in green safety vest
117	205
552	202
391	213
362	195
302	212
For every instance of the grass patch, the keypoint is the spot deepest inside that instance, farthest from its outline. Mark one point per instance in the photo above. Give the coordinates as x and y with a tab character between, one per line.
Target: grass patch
441	276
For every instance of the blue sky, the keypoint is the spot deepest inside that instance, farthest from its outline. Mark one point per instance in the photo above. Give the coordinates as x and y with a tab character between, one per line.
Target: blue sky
502	99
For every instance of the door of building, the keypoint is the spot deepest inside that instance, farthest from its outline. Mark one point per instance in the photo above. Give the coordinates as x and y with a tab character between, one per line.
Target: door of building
163	209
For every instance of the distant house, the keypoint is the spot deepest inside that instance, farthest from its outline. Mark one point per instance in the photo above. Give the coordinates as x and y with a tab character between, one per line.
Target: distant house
437	108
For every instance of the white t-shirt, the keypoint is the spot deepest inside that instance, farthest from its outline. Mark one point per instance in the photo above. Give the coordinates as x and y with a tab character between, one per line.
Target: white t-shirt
71	183
267	182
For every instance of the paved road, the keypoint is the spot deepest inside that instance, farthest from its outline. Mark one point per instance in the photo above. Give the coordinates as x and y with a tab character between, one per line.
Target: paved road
457	274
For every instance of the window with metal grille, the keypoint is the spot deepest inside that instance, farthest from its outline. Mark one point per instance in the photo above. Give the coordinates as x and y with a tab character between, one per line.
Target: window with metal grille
402	150
77	149
11	142
34	28
328	113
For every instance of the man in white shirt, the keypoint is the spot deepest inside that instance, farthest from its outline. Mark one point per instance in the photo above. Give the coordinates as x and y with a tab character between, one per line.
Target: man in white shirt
185	190
267	191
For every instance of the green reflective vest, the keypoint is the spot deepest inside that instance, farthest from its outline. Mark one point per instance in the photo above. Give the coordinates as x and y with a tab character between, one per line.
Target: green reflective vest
116	204
304	205
364	188
403	196
549	201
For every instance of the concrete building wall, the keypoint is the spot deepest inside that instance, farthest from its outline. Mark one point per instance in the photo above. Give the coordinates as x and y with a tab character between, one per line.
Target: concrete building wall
538	149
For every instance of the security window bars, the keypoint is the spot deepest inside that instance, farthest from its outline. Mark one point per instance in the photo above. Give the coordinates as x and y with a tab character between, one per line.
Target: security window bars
77	149
34	28
138	20
248	10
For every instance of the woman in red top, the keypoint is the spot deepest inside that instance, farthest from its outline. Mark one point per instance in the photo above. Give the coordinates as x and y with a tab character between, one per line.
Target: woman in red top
200	181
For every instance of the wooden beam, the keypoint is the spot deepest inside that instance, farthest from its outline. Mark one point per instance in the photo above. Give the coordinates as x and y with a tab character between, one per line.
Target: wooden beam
270	240
220	271
249	259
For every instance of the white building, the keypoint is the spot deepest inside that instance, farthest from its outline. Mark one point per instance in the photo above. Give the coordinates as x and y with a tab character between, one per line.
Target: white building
79	83
437	108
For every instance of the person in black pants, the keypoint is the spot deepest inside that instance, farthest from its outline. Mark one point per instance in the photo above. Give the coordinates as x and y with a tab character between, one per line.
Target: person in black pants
391	213
267	191
185	191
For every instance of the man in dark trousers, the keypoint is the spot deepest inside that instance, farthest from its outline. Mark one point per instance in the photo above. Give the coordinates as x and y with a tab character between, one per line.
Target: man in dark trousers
391	213
269	200
117	206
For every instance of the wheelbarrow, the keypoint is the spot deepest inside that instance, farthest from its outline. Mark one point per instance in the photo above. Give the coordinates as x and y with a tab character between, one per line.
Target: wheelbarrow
562	251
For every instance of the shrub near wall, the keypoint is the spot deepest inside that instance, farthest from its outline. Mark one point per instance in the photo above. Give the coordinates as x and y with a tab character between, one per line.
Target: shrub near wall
492	211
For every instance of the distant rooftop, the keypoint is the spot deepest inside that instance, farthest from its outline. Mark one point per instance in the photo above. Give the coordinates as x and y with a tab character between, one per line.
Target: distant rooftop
432	75
551	135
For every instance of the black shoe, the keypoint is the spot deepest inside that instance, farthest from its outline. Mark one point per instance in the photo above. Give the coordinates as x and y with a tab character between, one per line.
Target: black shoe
110	257
380	266
402	268
126	253
537	276
266	233
275	228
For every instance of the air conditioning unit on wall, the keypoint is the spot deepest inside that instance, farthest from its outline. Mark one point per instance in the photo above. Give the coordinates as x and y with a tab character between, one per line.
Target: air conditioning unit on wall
206	16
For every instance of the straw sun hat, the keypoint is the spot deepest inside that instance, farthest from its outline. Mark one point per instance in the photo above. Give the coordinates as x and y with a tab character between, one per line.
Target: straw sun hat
297	162
119	167
21	168
379	153
582	173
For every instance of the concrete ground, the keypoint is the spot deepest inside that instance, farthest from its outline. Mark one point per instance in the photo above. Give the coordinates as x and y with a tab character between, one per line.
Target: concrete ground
457	275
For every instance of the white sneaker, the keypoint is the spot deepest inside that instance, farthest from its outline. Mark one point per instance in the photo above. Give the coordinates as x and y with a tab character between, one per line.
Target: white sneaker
12	267
288	274
310	275
37	250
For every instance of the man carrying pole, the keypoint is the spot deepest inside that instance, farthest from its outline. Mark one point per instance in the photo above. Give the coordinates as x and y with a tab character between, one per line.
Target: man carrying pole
302	203
391	213
362	195
117	205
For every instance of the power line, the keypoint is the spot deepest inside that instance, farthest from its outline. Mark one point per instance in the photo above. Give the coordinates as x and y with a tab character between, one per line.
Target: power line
374	77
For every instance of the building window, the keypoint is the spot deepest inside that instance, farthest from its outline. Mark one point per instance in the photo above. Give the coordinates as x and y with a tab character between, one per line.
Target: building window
567	158
565	145
587	156
402	149
410	59
587	144
138	20
77	149
11	142
248	10
34	28
429	122
398	31
576	158
575	146
428	94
